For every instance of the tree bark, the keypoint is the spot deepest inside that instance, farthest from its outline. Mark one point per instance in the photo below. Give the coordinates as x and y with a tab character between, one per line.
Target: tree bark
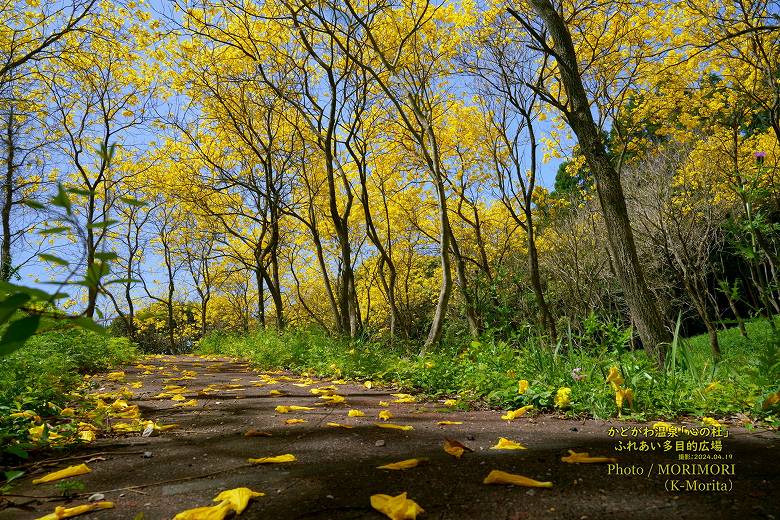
434	334
260	297
468	301
8	200
536	282
641	302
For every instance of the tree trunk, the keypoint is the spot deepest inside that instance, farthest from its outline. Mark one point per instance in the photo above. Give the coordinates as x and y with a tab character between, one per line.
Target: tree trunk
260	296
434	335
204	302
384	255
8	200
641	302
536	282
697	294
324	270
275	288
737	316
460	271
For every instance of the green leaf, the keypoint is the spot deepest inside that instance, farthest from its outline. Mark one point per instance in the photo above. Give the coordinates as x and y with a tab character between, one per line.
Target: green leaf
9	305
89	324
54	230
17	333
79	191
107	255
33	204
107	153
54	259
101	225
9	288
61	199
13	475
16	450
95	272
133	201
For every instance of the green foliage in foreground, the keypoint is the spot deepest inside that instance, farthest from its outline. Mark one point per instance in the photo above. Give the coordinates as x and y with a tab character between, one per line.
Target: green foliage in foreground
42	375
488	370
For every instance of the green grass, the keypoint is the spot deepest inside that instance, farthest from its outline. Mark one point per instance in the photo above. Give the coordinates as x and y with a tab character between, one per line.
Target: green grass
43	374
488	370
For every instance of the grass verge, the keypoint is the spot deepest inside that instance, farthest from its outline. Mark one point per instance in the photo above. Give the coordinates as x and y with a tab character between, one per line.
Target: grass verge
489	370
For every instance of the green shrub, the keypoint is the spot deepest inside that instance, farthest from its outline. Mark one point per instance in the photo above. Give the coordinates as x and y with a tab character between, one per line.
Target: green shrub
41	375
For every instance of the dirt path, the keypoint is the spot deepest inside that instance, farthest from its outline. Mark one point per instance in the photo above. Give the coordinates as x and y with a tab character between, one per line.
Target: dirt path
335	472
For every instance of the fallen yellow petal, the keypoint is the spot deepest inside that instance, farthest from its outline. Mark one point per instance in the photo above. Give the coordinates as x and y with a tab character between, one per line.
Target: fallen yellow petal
131	412
86	426
396	508
506	444
522	386
115	376
385	415
355	413
190	403
87	435
455	448
119	404
614	378
404	464
661	425
514	414
502	477
447	423
333	399
275	392
217	512
159	427
337	425
125	427
450	402
26	414
622	394
70	471
68	512
178	397
584	458
391	426
403	398
563	397
288	457
295	421
709	421
384	403
238	498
